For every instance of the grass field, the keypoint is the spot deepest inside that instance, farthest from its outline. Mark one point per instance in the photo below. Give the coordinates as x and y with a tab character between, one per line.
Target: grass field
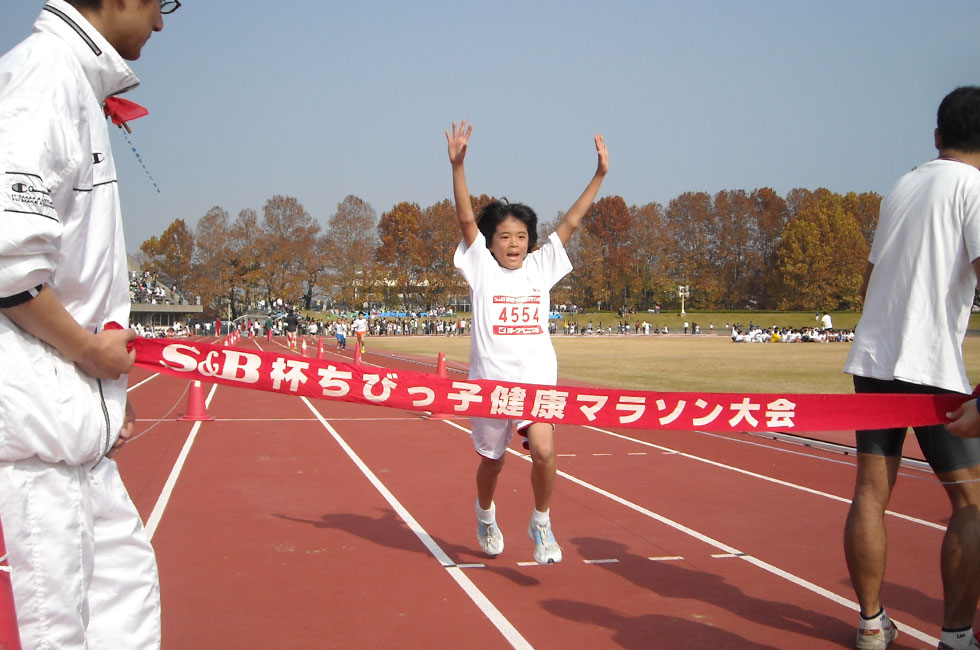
674	321
683	363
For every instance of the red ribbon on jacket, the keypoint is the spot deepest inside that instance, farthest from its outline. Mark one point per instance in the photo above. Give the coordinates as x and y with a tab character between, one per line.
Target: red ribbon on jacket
121	110
290	374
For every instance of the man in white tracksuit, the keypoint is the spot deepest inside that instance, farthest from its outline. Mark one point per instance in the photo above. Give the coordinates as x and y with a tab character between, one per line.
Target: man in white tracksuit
83	571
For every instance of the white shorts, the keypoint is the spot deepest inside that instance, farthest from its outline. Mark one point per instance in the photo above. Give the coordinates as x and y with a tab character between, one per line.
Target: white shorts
83	572
492	435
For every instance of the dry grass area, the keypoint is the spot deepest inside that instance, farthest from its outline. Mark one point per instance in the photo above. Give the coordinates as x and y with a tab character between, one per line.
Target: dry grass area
684	363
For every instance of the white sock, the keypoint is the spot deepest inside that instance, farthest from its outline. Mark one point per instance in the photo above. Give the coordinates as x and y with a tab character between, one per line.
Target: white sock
957	638
541	518
486	516
874	622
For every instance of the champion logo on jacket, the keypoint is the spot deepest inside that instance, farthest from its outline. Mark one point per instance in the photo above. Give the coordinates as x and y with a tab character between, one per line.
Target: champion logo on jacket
27	194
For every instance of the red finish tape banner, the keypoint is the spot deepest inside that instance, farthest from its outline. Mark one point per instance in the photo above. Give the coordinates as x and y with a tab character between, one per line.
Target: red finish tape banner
289	374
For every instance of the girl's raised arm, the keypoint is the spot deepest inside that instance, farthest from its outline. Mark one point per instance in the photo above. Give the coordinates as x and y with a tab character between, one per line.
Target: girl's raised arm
458	141
573	218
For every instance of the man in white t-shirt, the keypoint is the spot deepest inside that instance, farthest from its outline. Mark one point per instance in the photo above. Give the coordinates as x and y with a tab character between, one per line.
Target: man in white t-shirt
919	288
360	327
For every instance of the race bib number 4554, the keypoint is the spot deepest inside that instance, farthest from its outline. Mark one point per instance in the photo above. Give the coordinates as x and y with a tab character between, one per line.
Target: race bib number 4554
517	315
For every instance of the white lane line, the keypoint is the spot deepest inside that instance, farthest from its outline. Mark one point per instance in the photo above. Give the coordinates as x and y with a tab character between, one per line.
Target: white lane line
154	520
505	627
135	386
762	477
721	546
666	558
636	453
610	560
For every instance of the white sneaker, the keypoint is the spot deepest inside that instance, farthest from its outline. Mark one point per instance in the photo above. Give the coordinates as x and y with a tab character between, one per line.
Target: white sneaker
490	537
877	638
546	549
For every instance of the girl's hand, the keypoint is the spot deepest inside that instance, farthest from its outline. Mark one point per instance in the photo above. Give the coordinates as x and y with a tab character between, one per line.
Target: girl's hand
603	165
458	142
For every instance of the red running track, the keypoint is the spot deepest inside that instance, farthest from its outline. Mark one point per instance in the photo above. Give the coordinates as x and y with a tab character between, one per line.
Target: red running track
294	524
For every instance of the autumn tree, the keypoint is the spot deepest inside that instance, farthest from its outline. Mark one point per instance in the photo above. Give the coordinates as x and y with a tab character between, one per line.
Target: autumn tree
772	215
693	253
650	242
587	285
822	255
288	237
351	245
212	271
245	248
865	208
611	225
441	227
403	252
316	271
738	262
170	254
749	229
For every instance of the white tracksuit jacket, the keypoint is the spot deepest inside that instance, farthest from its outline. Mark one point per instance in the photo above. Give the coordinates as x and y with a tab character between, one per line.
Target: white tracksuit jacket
84	574
60	224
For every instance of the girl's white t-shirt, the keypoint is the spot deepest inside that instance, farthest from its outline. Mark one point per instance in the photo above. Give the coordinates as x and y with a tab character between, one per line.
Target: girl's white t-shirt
509	333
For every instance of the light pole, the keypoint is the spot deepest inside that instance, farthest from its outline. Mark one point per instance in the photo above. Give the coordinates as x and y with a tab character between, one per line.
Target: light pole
684	291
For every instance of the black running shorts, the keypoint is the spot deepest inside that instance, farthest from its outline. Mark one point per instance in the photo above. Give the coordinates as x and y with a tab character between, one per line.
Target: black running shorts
943	451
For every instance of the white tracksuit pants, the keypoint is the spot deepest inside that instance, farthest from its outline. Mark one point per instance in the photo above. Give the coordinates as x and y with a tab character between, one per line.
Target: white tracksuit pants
84	574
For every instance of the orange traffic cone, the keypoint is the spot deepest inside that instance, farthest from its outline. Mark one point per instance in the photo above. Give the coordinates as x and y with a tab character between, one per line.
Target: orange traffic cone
9	635
303	348
268	335
357	353
196	408
441	371
319	347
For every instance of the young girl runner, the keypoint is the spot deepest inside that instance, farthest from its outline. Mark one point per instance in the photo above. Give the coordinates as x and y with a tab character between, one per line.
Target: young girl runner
509	286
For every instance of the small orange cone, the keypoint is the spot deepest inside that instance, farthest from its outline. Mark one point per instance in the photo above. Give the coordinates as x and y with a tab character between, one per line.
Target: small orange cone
357	353
268	335
303	348
9	634
441	371
319	347
196	409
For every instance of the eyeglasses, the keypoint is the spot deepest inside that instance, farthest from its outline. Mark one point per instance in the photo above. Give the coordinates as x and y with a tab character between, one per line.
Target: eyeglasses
169	6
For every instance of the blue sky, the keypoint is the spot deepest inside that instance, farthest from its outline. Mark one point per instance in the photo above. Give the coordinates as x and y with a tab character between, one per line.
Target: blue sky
319	100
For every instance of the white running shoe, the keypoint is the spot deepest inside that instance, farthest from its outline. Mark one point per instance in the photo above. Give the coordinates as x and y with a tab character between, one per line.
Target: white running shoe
877	638
546	549
490	537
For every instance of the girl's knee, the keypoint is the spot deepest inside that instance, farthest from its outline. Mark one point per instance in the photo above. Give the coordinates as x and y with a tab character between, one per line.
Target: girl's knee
491	465
541	443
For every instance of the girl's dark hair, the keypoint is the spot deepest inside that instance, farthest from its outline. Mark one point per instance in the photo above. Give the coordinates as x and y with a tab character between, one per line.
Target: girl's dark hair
958	119
498	210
